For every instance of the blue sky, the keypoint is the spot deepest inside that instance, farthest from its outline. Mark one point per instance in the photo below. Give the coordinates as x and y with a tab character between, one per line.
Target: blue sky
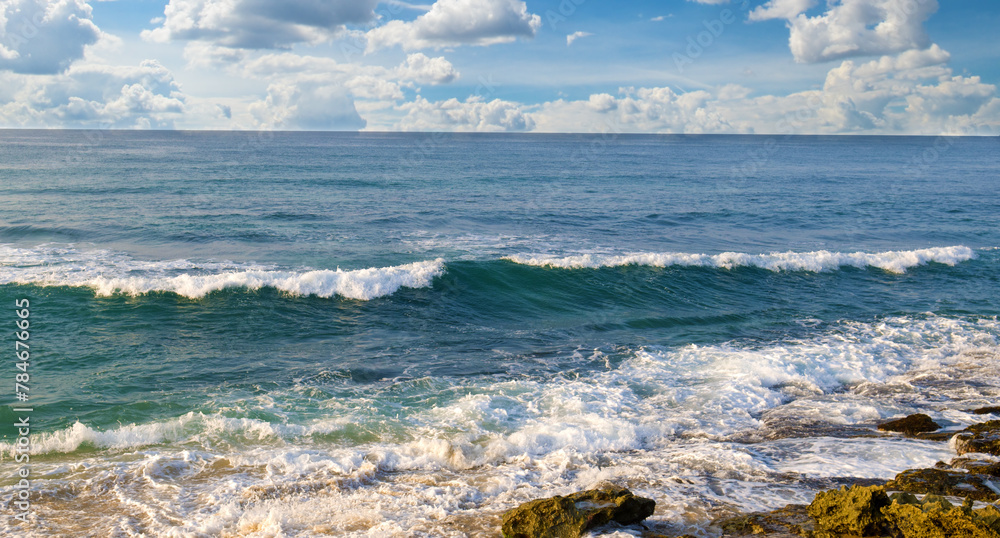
672	66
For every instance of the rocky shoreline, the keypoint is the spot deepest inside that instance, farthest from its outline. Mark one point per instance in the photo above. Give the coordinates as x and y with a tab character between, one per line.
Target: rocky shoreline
957	499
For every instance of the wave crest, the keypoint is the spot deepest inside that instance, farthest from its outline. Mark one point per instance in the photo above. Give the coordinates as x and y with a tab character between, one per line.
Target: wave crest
896	261
109	273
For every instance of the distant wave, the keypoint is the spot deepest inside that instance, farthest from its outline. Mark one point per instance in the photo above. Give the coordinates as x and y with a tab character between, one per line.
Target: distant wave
897	261
109	273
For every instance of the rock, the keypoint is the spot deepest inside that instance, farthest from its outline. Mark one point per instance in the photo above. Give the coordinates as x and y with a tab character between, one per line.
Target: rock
572	515
956	483
983	437
935	436
869	512
935	517
792	520
995	410
911	425
854	511
990	468
990	426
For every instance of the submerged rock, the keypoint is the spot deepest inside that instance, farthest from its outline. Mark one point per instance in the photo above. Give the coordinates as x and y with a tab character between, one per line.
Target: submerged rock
572	515
911	425
957	483
792	520
983	437
935	436
855	511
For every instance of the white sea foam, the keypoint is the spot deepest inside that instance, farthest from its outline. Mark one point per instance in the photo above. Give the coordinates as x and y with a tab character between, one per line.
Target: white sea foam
108	273
665	422
818	261
655	396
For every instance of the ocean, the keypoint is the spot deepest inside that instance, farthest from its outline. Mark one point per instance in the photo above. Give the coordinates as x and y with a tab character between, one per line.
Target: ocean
375	334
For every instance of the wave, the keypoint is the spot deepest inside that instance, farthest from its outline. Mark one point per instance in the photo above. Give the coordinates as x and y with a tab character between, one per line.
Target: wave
896	261
848	373
109	273
471	442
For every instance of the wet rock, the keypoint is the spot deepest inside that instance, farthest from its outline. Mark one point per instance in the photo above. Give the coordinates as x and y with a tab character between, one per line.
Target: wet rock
990	426
983	437
957	483
572	515
994	410
935	517
792	520
911	425
989	468
935	436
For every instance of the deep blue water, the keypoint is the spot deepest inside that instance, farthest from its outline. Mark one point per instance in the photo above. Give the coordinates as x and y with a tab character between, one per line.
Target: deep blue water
502	316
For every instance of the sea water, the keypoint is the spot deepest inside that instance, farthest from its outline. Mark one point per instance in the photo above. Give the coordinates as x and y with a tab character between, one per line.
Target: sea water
364	334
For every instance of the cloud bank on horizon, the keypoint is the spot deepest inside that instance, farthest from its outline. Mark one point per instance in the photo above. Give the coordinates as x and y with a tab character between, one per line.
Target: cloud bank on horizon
707	66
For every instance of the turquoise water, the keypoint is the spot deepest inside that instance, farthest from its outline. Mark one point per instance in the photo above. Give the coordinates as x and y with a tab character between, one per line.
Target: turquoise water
299	334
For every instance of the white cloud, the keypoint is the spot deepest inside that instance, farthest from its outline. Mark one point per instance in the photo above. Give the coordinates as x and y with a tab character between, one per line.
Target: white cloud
319	93
851	27
780	9
259	24
206	55
635	110
909	93
420	68
306	106
473	114
374	88
459	22
44	37
290	67
576	35
602	102
143	96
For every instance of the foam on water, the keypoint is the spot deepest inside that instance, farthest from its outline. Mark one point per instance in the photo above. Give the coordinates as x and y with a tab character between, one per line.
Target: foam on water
656	394
666	421
891	261
108	273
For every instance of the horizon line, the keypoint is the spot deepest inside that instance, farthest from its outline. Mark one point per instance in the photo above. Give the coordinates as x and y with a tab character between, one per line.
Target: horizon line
501	133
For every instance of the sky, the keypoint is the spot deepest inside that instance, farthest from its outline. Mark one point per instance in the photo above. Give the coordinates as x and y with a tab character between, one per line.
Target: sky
906	67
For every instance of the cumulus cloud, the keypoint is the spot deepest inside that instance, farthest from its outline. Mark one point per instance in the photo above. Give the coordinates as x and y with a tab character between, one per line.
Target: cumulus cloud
307	106
420	68
851	27
475	114
95	96
44	37
634	110
459	22
259	24
913	92
319	93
